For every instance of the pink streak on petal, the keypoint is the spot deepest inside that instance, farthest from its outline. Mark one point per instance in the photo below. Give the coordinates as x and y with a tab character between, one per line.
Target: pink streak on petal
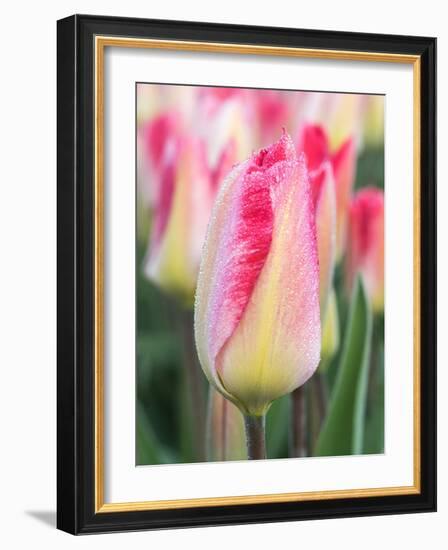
245	242
290	274
282	150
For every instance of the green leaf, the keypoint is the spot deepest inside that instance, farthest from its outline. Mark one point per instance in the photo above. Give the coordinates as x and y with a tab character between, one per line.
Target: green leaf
277	428
343	430
374	431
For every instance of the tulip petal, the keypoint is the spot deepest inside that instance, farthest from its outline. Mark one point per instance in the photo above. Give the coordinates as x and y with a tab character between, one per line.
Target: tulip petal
257	305
276	345
344	167
365	252
208	273
313	142
179	226
157	133
326	234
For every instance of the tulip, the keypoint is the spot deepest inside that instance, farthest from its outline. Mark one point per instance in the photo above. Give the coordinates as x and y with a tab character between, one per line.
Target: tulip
180	219
341	114
313	141
365	252
156	134
226	438
257	322
153	137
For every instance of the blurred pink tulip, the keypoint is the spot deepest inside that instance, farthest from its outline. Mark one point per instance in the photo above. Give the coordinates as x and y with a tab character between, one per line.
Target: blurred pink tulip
344	169
271	114
180	218
222	116
257	322
156	134
365	249
153	138
325	211
340	114
313	141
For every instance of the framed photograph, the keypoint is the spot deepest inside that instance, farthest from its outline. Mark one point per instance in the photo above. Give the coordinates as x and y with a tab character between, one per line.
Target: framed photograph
246	274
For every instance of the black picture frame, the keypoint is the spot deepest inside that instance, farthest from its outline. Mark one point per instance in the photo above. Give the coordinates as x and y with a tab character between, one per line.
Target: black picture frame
76	271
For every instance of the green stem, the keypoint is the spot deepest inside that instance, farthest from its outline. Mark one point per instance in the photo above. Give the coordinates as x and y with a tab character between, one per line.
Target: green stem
298	422
255	436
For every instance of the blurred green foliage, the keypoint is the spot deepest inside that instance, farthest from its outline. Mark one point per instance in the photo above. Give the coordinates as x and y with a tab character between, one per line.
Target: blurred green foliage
343	429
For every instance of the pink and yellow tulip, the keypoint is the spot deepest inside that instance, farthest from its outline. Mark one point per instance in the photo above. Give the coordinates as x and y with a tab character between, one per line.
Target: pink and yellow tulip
180	217
313	140
313	144
257	321
365	252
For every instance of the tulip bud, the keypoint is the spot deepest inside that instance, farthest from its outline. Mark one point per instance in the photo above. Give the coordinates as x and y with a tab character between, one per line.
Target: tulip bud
257	322
180	219
325	211
365	247
313	141
314	144
344	168
226	437
153	138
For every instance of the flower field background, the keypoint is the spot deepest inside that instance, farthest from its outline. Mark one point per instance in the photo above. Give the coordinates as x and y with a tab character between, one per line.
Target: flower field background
189	141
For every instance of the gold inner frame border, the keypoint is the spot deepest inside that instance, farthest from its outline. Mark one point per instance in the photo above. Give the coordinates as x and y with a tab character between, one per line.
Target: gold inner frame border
100	43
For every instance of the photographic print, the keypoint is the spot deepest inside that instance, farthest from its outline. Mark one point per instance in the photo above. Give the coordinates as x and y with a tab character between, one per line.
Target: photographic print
246	274
259	274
